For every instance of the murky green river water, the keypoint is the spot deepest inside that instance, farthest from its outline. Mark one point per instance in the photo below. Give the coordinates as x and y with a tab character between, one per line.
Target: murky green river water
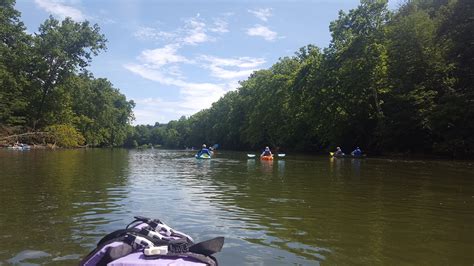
55	206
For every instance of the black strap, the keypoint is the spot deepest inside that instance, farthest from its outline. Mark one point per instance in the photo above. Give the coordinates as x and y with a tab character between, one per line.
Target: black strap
135	231
114	235
151	222
209	260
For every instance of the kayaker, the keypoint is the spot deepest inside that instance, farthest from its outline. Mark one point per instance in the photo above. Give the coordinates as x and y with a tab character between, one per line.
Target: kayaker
204	150
357	152
266	152
338	152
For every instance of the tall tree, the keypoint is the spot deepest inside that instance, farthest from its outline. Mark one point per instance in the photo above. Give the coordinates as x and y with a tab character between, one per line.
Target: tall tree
453	117
14	56
60	50
414	62
359	56
99	110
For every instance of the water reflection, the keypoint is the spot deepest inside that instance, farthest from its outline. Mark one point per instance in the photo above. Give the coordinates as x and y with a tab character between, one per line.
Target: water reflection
336	166
58	198
281	168
293	211
250	165
355	163
27	255
266	166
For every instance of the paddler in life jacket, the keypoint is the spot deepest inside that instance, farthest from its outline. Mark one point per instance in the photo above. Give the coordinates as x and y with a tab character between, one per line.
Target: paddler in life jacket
338	152
203	151
357	152
266	152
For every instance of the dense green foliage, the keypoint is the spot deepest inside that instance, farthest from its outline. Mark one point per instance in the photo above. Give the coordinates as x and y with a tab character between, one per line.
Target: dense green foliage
397	81
65	136
44	83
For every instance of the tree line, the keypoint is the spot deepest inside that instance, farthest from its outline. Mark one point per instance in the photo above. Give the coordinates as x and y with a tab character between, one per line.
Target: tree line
45	86
389	81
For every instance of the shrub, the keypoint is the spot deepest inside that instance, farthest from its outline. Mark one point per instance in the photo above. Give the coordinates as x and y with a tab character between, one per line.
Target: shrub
66	136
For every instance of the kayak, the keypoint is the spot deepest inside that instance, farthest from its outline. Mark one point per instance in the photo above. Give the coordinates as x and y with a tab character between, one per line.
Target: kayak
266	158
148	241
203	156
332	154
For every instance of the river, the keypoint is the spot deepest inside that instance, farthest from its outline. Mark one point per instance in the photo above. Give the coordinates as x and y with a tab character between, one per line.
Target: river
308	210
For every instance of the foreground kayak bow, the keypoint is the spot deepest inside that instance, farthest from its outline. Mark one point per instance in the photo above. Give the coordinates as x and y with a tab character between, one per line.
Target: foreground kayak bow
148	241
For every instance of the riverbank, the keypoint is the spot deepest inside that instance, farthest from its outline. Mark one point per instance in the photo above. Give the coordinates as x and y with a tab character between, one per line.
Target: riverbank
15	138
59	136
9	137
25	146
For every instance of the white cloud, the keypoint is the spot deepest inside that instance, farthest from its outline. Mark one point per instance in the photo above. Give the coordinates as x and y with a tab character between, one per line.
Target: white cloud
157	75
198	96
242	62
104	17
262	31
148	33
242	67
186	88
174	70
229	74
262	13
162	65
194	97
162	56
151	110
60	9
195	32
220	26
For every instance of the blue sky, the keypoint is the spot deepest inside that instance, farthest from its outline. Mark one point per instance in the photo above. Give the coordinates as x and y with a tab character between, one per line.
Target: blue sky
174	58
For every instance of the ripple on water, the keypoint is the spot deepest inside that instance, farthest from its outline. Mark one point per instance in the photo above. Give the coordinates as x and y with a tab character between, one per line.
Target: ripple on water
304	210
25	257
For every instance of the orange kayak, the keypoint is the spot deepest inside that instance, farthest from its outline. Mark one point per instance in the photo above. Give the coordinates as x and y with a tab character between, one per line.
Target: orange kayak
267	158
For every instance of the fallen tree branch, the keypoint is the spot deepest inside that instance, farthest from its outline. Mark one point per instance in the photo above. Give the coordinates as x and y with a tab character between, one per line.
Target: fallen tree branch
48	134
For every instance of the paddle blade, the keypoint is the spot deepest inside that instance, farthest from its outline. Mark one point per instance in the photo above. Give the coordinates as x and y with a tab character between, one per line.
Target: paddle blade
208	247
251	155
281	155
331	153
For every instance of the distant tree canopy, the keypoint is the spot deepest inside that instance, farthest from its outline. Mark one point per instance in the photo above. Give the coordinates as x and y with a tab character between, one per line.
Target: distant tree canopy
44	84
397	81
